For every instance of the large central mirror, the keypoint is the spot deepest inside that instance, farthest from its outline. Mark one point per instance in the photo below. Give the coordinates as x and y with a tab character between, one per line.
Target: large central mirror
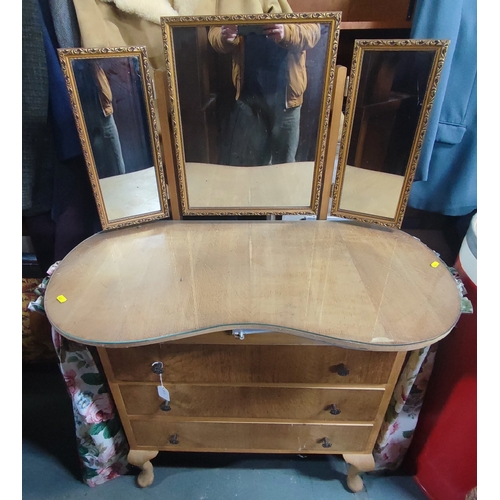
112	100
250	97
392	88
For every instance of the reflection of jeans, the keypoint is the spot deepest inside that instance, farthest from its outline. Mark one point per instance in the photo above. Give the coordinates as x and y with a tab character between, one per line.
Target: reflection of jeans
105	144
285	135
260	130
256	134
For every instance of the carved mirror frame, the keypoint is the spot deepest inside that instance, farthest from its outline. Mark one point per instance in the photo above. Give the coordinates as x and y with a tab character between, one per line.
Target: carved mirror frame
168	23
361	47
67	56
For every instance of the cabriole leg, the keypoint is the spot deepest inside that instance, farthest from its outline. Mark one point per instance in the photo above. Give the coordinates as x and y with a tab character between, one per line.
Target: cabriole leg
358	463
141	459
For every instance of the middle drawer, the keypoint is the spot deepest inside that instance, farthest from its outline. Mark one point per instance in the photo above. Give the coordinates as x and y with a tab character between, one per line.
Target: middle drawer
255	402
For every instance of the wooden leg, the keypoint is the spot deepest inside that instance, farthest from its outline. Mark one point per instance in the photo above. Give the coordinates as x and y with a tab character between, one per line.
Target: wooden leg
358	463
141	459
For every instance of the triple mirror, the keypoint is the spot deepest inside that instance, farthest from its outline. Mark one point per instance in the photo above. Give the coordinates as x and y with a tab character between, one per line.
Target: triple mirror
250	97
391	91
112	99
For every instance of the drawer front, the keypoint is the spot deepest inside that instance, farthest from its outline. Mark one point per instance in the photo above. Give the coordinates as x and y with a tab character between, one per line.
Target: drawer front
251	437
264	338
242	363
254	402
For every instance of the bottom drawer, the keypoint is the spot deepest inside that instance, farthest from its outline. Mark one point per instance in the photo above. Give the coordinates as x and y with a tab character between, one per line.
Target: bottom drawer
251	437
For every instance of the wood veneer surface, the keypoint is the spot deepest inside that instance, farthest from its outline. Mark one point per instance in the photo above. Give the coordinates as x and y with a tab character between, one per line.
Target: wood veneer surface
255	364
286	403
359	286
251	437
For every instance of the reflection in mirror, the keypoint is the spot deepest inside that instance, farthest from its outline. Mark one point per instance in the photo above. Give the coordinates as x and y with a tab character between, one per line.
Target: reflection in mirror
110	91
251	99
392	88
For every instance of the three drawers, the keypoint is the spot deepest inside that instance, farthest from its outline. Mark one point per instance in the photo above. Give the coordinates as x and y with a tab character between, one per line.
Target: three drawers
273	393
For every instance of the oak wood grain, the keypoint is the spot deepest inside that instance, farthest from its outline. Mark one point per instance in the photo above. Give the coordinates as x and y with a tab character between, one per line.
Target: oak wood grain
257	364
251	437
355	285
198	401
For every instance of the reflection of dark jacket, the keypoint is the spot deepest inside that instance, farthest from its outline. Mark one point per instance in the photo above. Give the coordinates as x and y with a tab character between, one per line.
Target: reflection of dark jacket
298	38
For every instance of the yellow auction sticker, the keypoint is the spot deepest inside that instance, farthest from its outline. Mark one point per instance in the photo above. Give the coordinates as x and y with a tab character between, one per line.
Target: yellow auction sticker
435	263
61	298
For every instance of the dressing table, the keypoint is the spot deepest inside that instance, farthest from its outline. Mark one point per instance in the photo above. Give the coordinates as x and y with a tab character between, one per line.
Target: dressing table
342	303
337	304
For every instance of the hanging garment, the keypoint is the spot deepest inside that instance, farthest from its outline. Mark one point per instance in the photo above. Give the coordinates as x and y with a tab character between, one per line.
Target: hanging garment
446	181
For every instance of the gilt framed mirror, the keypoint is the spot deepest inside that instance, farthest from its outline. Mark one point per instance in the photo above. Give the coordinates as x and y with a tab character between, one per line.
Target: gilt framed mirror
111	95
250	98
392	86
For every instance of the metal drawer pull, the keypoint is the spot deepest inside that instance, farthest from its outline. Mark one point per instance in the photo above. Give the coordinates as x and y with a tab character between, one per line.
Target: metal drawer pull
165	406
340	370
334	410
326	443
157	367
173	439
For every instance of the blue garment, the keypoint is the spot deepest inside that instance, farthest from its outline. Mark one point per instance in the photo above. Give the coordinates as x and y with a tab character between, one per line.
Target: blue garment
66	140
446	178
65	23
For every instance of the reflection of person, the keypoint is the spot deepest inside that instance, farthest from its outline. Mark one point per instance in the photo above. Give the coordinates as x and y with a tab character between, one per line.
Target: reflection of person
270	78
97	103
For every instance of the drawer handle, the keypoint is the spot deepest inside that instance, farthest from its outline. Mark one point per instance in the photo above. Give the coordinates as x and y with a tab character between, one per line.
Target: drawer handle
326	443
157	367
334	410
341	370
165	406
173	439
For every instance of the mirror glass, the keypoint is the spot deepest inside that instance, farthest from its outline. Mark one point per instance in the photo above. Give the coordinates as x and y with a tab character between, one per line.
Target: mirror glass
392	87
251	99
112	102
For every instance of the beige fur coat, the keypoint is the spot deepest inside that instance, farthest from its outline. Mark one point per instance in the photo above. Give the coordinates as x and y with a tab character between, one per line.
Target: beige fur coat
118	23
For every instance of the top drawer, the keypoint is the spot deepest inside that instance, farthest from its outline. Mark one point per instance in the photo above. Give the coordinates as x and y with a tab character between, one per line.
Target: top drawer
254	364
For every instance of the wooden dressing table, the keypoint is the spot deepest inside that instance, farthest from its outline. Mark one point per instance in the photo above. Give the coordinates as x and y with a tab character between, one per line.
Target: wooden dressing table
342	302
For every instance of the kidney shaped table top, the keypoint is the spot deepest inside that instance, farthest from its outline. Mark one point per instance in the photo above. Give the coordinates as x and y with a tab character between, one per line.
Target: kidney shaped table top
350	284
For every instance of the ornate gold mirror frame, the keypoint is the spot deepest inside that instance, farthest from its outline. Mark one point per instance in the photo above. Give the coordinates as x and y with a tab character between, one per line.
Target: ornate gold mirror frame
392	87
111	95
210	186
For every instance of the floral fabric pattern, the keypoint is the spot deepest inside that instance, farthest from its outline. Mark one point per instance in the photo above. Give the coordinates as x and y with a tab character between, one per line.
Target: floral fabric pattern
401	418
102	445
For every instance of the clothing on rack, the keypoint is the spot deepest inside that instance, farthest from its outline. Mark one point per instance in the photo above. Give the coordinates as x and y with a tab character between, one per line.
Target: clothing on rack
446	178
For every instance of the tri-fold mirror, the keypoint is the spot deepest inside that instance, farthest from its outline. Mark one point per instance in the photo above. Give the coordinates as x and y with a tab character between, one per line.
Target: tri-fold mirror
112	99
250	98
391	91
